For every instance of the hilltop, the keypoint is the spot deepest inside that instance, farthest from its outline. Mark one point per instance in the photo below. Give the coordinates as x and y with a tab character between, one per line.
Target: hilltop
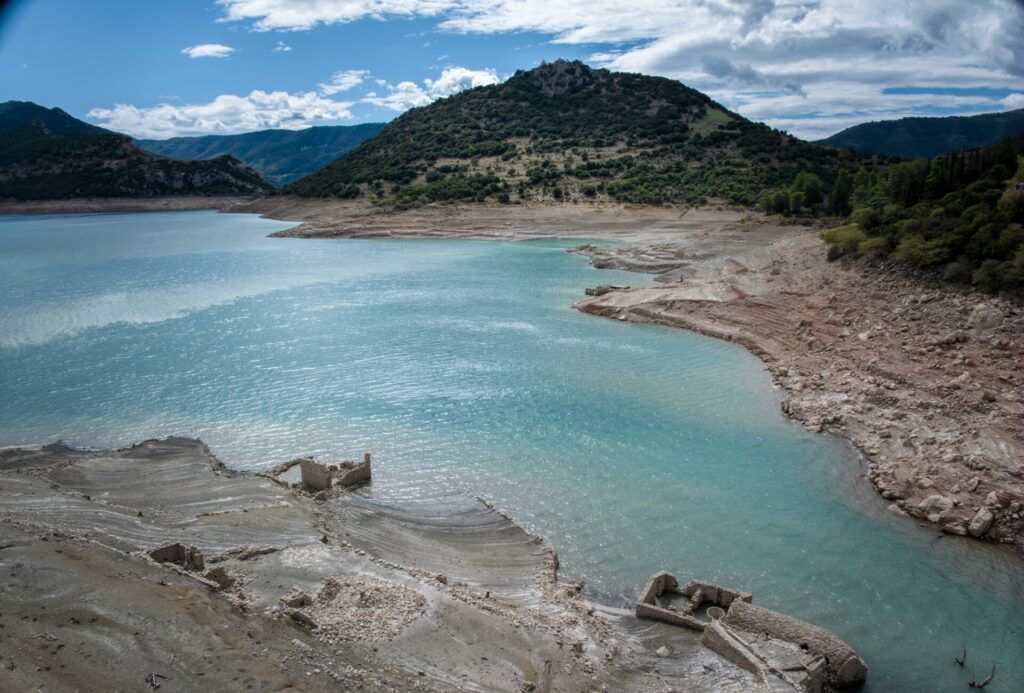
283	156
47	154
929	137
564	131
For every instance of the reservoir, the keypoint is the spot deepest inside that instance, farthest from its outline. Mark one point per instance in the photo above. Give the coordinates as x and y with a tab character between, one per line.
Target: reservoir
463	368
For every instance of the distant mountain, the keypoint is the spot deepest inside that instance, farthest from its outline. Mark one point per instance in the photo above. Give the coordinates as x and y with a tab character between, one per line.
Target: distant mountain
565	131
282	156
928	137
47	154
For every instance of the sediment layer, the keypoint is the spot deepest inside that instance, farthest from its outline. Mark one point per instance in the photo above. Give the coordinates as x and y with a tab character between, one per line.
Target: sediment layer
282	591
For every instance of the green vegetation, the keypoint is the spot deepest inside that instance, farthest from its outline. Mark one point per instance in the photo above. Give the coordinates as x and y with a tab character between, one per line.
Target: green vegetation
47	154
283	156
960	214
566	132
930	137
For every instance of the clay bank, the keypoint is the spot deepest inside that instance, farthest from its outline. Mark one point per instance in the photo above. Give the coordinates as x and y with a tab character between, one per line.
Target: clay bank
157	565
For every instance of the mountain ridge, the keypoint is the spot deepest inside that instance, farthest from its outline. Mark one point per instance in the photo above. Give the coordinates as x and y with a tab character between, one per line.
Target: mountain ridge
46	153
931	136
283	156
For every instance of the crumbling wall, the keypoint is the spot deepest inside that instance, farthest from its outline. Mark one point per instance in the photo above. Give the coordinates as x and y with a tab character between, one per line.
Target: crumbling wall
843	666
352	474
316	476
699	593
188	557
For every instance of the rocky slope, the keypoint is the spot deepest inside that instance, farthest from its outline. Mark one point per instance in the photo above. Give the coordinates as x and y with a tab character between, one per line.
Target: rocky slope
46	154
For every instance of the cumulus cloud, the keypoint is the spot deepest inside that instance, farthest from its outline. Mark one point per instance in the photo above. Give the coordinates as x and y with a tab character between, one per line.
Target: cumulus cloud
406	95
776	60
343	81
1012	101
282	47
298	15
227	114
208	50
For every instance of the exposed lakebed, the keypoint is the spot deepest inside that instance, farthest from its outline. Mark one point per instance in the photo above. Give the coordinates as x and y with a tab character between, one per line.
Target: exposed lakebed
462	367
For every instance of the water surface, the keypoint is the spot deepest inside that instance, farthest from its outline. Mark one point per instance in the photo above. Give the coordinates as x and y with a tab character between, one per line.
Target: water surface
462	367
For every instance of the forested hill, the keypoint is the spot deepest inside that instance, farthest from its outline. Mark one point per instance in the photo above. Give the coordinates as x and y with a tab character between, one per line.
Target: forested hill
960	215
930	137
47	154
564	131
283	156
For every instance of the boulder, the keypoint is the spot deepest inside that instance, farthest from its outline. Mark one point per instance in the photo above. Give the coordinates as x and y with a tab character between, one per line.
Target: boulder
935	506
985	316
981	523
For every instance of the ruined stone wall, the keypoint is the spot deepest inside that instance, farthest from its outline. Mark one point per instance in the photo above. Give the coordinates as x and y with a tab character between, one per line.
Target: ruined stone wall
844	667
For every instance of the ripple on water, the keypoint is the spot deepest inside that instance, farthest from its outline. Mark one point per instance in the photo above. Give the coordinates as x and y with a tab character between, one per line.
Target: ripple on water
460	366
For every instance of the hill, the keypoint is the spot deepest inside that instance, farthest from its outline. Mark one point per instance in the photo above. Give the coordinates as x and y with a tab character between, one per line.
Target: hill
564	131
283	156
47	154
929	137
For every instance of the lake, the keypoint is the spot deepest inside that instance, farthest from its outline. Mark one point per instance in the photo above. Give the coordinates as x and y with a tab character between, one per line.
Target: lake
463	368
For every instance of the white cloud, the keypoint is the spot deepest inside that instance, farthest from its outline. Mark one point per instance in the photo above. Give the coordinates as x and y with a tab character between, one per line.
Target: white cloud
227	114
773	59
406	95
1012	101
208	50
282	47
343	81
299	15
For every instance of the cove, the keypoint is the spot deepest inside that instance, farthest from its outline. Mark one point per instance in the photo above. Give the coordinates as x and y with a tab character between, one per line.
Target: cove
462	367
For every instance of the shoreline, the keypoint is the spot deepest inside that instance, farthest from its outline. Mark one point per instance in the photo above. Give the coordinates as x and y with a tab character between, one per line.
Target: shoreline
158	560
923	380
919	378
113	205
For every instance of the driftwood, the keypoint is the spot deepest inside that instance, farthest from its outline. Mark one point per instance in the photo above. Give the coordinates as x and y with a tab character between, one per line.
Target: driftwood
984	683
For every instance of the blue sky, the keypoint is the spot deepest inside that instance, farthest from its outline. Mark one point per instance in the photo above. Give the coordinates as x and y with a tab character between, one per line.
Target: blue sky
812	67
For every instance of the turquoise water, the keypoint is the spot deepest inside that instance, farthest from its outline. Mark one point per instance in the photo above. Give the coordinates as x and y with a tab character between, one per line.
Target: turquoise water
462	367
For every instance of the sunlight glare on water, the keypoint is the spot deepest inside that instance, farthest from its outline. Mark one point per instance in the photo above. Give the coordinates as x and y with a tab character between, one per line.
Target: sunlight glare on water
461	366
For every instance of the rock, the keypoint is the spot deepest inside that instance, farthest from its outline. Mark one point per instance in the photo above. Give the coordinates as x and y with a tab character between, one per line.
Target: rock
935	506
985	316
988	396
981	523
994	500
662	651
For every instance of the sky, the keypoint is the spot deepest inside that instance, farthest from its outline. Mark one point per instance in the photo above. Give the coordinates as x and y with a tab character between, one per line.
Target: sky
158	69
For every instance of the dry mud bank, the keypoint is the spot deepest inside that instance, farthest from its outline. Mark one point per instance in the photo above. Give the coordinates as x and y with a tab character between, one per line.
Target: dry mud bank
925	380
358	219
287	592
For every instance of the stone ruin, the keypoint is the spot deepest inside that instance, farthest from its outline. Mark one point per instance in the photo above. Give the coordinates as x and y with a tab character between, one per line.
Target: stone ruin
699	593
318	476
775	647
188	557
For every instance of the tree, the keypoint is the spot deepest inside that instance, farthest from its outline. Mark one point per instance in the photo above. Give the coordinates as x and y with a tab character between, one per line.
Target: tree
810	185
839	198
